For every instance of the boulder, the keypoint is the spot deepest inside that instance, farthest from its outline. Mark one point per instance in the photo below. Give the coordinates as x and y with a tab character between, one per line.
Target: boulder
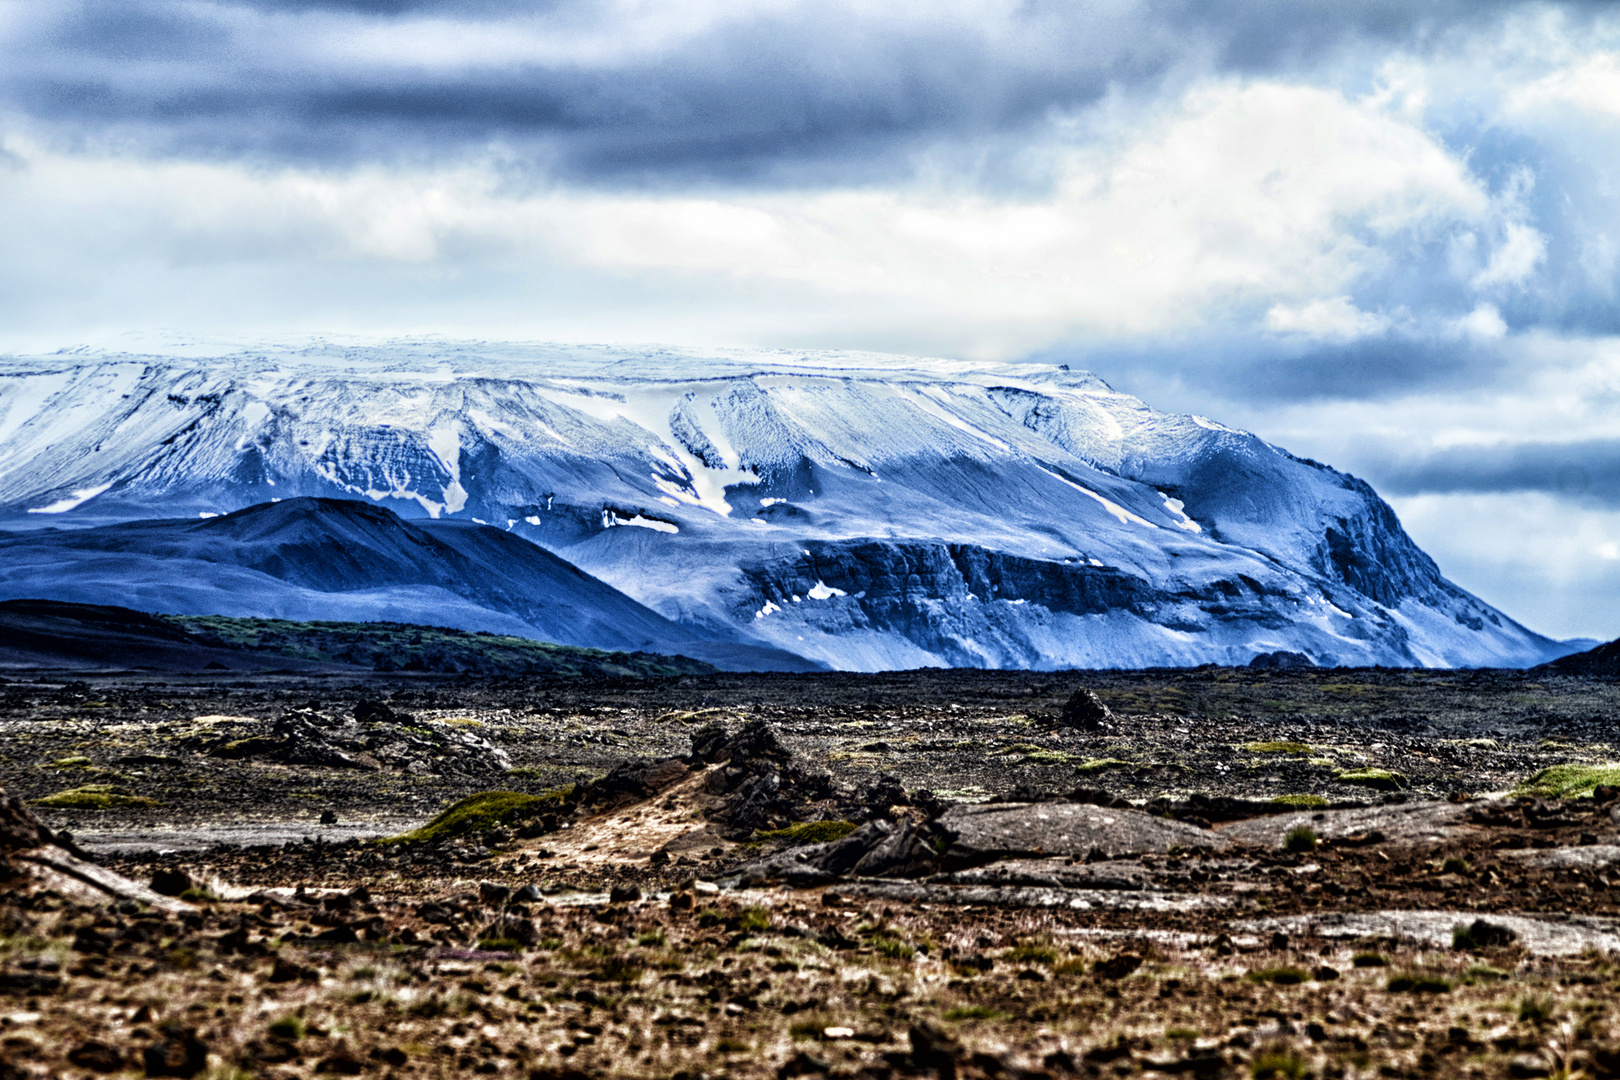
1282	660
1085	711
632	781
902	853
986	833
820	864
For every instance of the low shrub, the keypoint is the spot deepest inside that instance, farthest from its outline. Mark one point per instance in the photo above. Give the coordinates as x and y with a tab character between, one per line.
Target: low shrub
1278	1061
811	832
1381	779
974	1012
1030	952
895	949
1536	1010
288	1028
1300	838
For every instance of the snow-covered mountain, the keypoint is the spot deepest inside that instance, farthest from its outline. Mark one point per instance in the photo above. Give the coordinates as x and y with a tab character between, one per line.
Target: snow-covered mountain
863	510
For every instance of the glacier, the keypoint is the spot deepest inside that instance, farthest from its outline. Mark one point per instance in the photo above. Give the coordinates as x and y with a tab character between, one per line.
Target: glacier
859	510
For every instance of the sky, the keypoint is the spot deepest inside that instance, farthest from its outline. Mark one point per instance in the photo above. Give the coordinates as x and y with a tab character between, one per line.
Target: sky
1384	235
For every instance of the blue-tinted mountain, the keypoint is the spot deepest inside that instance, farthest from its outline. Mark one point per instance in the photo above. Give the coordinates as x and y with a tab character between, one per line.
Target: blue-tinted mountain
311	558
864	511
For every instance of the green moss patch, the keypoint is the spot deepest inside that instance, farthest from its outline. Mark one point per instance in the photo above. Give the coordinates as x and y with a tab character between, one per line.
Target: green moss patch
477	813
1102	764
1276	748
1382	779
811	832
1569	781
96	797
1302	802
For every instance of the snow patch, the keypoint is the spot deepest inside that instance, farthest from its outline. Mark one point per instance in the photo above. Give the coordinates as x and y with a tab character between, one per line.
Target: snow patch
1178	509
823	591
772	501
1125	516
769	608
445	443
610	519
73	501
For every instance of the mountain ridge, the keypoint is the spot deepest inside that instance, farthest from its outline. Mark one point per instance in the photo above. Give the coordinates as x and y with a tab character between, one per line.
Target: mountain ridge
721	489
315	557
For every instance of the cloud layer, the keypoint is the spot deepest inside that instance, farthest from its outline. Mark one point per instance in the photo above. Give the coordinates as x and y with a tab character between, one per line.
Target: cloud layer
1382	234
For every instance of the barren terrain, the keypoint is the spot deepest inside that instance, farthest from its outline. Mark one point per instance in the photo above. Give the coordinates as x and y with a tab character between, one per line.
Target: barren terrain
1334	873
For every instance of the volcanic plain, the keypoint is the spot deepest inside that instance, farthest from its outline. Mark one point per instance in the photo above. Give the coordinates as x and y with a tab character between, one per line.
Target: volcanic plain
1215	872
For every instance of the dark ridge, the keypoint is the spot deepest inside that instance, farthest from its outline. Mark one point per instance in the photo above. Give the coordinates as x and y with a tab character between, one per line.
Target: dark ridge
1602	662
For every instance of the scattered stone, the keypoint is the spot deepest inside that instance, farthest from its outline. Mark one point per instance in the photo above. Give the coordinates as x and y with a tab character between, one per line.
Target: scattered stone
341	1063
762	784
284	971
96	1056
170	881
179	1053
932	1047
1117	967
376	738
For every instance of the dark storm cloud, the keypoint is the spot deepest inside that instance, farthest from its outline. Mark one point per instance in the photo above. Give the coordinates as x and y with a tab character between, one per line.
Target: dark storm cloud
1265	372
781	94
1588	471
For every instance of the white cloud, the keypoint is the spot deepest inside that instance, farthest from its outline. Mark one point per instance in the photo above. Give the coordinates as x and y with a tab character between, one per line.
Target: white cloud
1589	84
1484	323
1514	259
1240	193
1333	319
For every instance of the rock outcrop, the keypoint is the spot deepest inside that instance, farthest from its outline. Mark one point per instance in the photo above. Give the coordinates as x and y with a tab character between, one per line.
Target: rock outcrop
31	856
374	737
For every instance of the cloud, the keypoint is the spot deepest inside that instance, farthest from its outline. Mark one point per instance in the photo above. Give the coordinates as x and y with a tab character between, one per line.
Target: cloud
1244	196
621	90
1548	563
1334	319
1588	470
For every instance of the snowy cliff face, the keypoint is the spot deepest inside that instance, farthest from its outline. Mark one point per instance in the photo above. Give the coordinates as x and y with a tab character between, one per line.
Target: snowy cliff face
866	511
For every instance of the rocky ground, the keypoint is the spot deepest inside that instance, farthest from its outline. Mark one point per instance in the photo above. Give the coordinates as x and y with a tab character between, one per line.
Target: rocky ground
807	875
